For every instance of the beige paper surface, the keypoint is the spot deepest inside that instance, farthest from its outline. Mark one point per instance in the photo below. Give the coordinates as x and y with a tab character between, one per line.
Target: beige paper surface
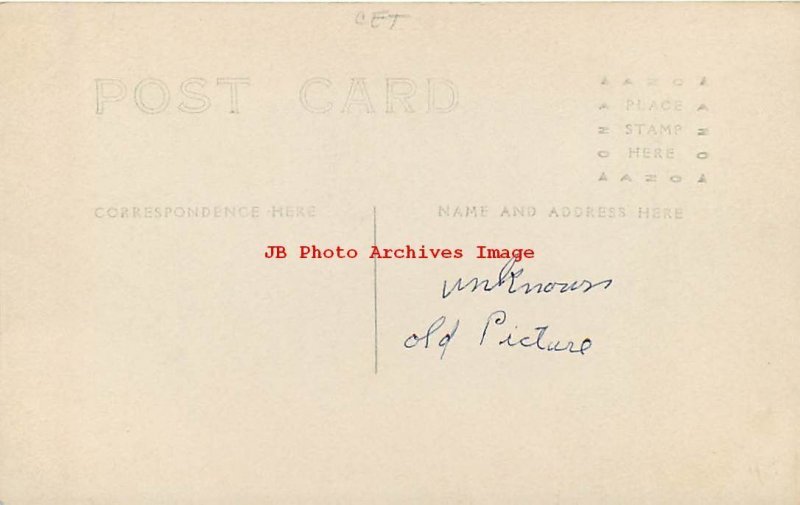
150	352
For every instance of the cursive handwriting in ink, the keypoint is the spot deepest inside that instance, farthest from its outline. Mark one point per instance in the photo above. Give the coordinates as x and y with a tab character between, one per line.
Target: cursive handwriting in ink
510	279
499	317
415	339
494	331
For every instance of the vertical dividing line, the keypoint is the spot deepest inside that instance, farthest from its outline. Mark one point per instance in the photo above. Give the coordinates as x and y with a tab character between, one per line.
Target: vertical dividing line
375	283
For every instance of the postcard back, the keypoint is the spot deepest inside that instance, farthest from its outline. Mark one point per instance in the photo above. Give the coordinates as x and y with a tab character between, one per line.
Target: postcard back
399	253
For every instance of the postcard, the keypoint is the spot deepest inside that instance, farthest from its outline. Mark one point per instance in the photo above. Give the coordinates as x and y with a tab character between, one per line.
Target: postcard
402	253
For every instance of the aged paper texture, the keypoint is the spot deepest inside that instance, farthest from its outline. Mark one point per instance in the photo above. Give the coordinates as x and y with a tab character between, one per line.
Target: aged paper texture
399	254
